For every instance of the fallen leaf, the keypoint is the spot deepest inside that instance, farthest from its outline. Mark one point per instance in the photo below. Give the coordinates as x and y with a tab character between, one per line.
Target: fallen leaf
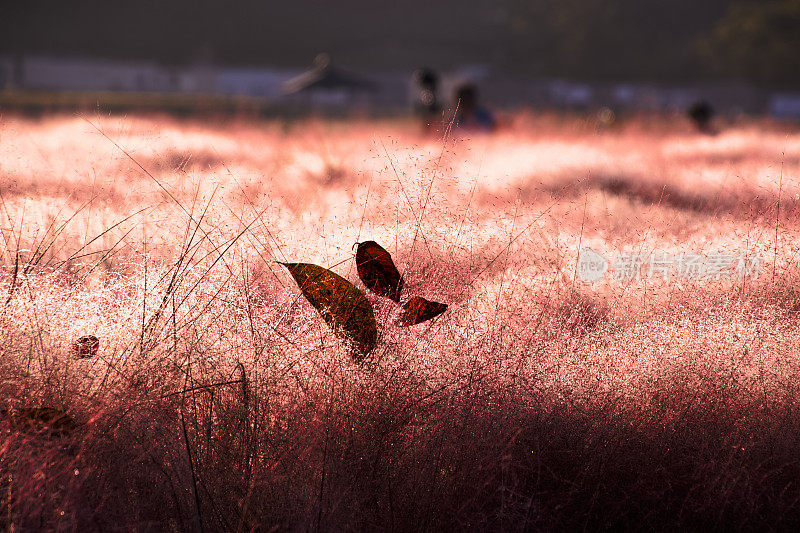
342	305
86	346
376	269
418	310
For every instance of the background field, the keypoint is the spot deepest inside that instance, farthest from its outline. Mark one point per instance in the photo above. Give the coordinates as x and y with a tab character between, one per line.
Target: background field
220	400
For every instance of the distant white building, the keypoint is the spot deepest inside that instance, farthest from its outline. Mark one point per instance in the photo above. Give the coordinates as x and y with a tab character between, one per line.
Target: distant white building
571	94
196	79
257	82
325	85
6	73
88	74
785	105
83	74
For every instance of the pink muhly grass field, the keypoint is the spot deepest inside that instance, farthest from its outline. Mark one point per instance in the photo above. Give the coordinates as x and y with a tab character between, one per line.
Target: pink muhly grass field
220	400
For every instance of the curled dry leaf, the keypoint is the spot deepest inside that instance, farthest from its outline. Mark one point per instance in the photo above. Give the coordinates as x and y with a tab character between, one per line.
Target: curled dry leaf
342	305
86	346
54	422
376	269
418	310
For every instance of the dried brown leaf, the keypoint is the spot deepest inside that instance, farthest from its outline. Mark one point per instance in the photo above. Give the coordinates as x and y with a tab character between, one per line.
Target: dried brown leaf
86	346
376	269
418	310
342	305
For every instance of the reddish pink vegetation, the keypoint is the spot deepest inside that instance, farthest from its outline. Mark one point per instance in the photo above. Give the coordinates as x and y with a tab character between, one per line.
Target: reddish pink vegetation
220	399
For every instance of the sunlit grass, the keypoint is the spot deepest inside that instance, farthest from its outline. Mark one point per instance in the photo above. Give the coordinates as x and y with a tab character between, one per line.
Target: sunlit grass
220	399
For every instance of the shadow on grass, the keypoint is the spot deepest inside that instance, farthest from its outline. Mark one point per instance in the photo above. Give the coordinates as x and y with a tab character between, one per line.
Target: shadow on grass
375	456
741	204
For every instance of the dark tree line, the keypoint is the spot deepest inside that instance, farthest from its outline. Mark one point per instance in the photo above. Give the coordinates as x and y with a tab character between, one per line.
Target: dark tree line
757	40
676	40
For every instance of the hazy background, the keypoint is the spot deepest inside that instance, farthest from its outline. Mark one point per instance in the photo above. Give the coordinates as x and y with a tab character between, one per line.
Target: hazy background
158	173
635	40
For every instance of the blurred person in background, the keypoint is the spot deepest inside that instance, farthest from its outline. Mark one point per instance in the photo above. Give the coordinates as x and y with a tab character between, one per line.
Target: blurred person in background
701	114
426	99
469	113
